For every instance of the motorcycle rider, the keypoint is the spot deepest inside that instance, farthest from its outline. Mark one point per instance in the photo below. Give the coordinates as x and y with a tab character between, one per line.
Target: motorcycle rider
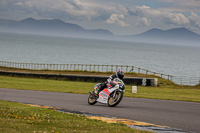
119	74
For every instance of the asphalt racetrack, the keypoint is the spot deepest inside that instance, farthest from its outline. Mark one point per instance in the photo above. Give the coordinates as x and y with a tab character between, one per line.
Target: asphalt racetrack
175	114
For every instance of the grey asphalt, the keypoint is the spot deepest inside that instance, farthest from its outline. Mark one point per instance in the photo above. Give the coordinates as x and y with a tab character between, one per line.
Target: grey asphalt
175	114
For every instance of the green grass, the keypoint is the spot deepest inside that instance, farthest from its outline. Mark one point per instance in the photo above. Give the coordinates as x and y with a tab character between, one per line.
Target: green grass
45	85
177	94
166	90
19	118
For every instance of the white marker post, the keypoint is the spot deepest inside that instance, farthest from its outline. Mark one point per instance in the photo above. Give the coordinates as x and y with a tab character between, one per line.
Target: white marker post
134	89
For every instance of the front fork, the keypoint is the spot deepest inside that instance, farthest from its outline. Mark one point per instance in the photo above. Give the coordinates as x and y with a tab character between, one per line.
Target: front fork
114	94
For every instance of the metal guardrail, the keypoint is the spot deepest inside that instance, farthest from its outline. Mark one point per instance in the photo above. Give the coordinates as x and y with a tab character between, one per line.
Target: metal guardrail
98	68
183	80
86	78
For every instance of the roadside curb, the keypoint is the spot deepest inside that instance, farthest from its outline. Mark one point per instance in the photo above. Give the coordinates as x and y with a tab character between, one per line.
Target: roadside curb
130	123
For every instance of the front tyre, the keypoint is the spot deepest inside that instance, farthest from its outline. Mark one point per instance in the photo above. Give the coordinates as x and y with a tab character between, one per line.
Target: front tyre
113	101
92	100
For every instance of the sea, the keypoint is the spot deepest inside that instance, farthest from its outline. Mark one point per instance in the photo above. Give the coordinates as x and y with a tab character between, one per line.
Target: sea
176	60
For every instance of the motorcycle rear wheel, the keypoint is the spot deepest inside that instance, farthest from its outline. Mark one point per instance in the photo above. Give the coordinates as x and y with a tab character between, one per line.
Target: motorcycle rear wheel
113	101
92	100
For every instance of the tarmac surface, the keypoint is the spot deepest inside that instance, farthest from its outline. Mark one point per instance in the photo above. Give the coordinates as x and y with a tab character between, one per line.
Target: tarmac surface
175	114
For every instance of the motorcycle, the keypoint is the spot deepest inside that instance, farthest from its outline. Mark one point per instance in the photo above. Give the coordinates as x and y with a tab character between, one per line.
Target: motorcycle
112	95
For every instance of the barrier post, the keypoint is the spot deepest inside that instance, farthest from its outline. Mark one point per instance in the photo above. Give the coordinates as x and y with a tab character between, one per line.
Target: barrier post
138	70
134	89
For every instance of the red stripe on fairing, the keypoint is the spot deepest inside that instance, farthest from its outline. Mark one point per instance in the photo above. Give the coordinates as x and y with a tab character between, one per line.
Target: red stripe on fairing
109	85
103	96
106	90
106	93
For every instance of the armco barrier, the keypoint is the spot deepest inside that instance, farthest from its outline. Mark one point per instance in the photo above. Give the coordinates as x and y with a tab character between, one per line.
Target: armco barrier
85	78
81	67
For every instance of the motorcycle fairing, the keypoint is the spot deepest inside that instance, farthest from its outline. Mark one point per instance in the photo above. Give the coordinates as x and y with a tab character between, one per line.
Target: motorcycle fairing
104	94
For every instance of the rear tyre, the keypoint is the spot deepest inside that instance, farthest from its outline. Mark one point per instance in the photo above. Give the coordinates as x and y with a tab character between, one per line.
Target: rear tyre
113	101
92	100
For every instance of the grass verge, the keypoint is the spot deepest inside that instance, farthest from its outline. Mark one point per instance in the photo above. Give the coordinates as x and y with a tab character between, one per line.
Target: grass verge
167	92
16	117
161	81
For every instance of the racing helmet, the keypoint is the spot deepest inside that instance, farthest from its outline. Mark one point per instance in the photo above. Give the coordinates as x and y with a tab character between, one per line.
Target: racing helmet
120	74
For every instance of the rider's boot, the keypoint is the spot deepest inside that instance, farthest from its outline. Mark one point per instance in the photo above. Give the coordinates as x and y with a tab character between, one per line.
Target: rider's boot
99	88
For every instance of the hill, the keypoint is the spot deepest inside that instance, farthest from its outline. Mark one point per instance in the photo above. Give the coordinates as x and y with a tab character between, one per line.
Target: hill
171	36
59	27
50	27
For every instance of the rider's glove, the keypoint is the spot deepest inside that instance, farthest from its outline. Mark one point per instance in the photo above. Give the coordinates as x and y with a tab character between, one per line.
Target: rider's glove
109	80
112	83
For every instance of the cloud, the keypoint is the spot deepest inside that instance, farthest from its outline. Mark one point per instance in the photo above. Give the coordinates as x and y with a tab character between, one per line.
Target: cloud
111	13
117	19
195	19
65	9
108	12
181	5
148	14
143	21
194	22
60	8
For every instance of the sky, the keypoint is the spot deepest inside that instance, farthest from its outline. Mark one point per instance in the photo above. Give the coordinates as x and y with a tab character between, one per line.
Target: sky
121	17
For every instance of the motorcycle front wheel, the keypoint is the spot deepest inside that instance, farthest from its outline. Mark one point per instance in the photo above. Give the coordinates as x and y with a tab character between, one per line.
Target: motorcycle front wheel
114	100
92	100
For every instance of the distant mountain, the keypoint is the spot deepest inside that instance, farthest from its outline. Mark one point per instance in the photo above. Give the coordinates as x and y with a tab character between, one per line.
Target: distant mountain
181	33
172	36
50	27
59	27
